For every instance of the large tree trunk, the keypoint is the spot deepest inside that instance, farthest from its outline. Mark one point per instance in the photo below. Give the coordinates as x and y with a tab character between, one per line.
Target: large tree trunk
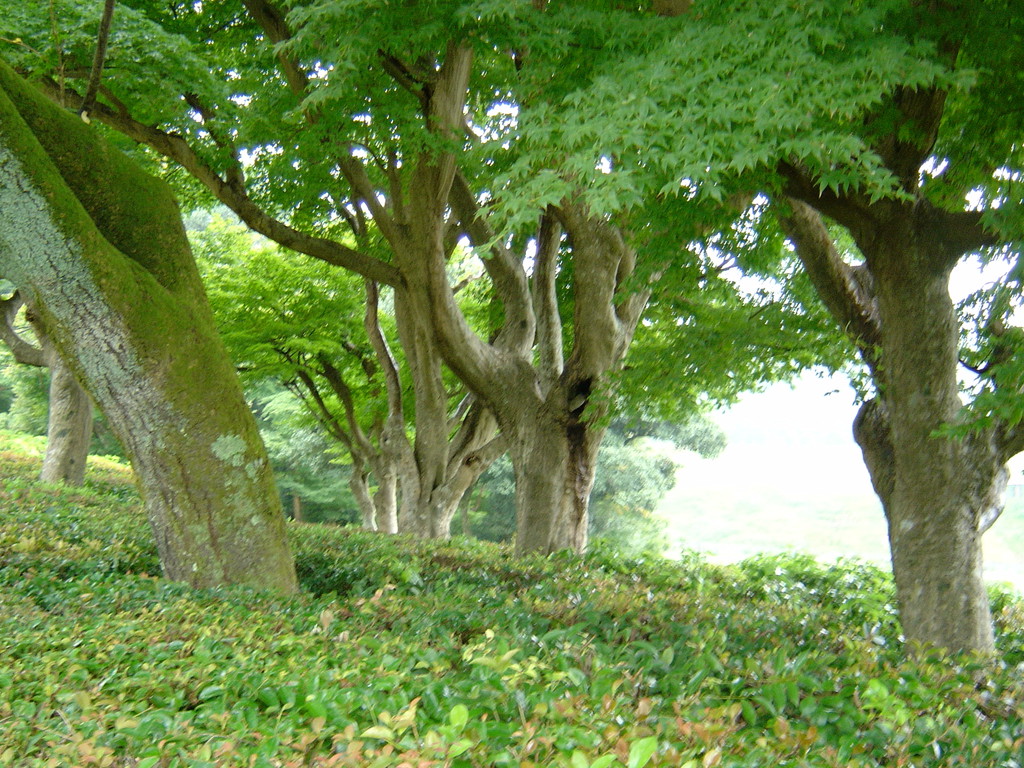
98	248
939	492
554	464
937	489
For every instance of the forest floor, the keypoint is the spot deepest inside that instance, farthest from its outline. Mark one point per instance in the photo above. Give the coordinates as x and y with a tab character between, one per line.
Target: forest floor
457	654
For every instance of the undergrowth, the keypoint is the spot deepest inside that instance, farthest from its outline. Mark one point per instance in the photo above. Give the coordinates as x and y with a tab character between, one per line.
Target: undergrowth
458	654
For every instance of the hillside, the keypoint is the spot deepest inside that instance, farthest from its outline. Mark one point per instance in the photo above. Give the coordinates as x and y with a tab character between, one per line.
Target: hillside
457	654
792	479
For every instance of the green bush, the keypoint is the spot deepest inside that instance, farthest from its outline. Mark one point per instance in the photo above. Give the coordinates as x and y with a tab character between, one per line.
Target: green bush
458	654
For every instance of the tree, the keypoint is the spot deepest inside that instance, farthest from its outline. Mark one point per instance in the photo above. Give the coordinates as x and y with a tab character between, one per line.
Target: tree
420	139
396	168
940	489
630	481
310	476
328	343
97	248
313	342
879	120
69	417
426	124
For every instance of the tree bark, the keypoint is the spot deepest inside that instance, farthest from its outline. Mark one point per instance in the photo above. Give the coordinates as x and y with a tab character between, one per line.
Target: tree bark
359	484
421	510
69	427
938	492
554	460
544	406
98	248
386	502
472	451
939	488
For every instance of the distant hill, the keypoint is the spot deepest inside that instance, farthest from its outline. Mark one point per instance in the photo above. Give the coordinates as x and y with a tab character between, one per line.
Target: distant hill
792	480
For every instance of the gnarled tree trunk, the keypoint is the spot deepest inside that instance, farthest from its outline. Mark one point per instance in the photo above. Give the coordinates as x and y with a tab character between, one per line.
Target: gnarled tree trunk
99	250
939	492
542	400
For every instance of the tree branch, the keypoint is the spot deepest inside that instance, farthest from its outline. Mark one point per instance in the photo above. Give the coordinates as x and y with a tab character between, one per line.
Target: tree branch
476	430
603	260
24	352
545	300
401	75
273	23
344	393
846	291
909	143
854	212
388	364
958	232
481	458
174	147
314	402
362	188
481	367
97	63
1010	440
235	175
505	270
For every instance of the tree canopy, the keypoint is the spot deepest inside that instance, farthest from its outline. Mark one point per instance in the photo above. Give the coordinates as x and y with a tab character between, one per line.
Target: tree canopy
748	190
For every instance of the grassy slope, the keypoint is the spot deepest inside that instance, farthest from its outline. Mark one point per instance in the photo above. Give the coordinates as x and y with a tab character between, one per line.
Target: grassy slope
456	654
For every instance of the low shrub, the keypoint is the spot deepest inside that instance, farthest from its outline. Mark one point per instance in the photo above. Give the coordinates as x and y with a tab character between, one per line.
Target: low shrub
457	654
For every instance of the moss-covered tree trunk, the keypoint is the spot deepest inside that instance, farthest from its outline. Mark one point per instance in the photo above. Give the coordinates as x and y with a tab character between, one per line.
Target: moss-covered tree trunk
98	248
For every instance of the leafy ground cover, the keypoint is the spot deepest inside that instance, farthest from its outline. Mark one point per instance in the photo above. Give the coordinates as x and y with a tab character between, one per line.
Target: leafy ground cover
457	654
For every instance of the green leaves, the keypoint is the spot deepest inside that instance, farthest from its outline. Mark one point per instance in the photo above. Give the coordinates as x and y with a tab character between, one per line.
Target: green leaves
715	99
640	752
58	39
593	662
458	717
